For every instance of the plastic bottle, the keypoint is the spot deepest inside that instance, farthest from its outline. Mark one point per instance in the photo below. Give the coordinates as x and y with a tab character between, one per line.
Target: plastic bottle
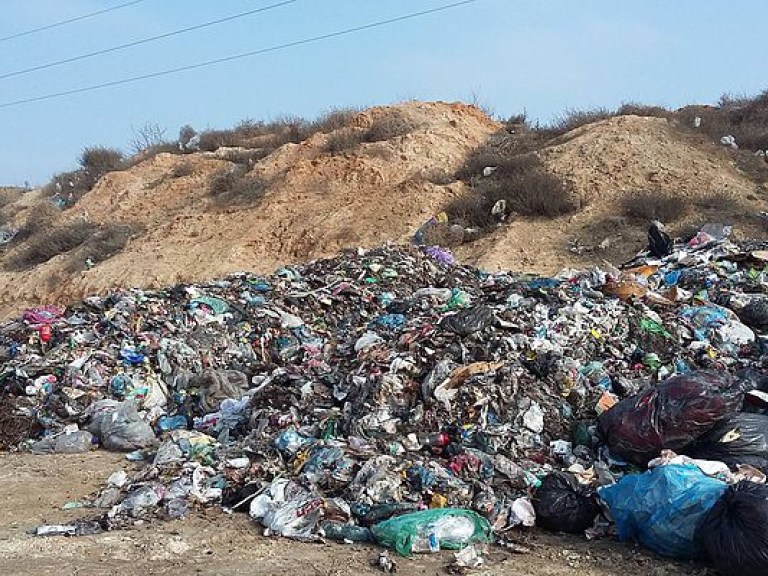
449	531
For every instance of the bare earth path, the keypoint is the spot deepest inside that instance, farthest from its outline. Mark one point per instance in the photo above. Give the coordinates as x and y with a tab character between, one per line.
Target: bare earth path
33	489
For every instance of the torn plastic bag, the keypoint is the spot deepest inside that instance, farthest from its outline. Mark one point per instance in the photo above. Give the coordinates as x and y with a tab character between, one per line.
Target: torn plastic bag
287	509
68	443
563	505
662	509
469	321
732	438
124	430
432	530
734	533
670	415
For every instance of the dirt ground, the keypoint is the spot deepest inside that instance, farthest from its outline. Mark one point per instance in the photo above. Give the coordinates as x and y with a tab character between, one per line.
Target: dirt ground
34	488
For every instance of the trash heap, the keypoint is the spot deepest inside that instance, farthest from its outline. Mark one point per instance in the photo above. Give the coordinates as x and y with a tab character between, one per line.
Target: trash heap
391	395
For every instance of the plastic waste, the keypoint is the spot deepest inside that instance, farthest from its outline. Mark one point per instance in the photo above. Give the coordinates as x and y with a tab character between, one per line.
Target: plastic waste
732	438
670	415
663	508
345	532
734	533
432	530
124	430
68	443
563	505
469	321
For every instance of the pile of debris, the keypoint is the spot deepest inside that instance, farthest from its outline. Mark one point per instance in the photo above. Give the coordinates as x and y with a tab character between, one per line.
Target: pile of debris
391	395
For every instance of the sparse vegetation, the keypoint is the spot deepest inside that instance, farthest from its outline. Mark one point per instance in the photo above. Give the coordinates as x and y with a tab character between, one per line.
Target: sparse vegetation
389	126
150	136
344	139
574	118
39	220
518	185
635	109
182	170
235	186
48	244
103	243
650	205
100	160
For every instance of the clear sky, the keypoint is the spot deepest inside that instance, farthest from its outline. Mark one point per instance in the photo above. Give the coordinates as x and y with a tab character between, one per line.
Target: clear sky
541	56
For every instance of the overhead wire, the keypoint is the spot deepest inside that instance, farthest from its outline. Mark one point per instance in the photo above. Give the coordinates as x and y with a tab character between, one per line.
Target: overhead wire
147	40
69	21
216	61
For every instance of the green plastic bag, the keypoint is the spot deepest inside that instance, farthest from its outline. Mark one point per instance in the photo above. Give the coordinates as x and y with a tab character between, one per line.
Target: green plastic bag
432	530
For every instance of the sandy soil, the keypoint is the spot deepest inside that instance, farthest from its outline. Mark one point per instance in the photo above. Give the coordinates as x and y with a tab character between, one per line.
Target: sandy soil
34	488
319	203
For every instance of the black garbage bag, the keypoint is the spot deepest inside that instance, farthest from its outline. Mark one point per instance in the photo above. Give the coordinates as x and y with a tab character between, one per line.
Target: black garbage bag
564	505
734	533
755	461
671	415
469	321
755	314
733	438
659	242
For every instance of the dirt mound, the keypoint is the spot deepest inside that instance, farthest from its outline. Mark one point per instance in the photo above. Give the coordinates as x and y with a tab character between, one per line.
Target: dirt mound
607	163
632	153
368	183
317	202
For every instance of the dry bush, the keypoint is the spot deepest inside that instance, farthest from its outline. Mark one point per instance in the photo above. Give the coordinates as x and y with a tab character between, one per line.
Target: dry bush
147	137
523	184
212	140
343	140
636	109
235	186
102	244
101	160
247	157
182	170
41	218
48	244
650	205
388	126
714	201
574	118
439	177
334	119
746	119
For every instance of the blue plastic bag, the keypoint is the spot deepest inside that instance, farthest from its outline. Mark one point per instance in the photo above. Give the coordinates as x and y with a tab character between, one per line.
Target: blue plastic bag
663	508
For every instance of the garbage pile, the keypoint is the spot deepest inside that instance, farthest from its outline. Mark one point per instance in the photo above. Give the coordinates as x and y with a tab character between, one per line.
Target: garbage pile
393	396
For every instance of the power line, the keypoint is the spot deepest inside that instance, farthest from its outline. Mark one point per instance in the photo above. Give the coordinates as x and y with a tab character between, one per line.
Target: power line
146	40
380	23
64	22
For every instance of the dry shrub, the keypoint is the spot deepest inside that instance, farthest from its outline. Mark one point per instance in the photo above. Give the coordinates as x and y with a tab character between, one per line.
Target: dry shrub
182	170
714	201
650	205
574	118
636	109
439	177
235	186
40	219
334	119
101	160
102	244
523	184
744	118
48	244
343	140
387	126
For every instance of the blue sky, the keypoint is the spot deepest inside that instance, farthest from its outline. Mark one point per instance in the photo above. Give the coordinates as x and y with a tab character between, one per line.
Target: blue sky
541	56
